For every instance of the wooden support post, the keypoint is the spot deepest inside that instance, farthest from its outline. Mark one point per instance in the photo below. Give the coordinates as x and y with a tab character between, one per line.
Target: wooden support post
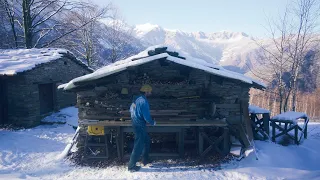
177	139
296	128
305	128
273	124
86	144
121	143
285	127
245	111
226	141
253	124
181	142
200	140
266	119
106	144
118	143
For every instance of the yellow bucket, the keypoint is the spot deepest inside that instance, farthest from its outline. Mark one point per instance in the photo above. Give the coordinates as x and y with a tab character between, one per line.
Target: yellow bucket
96	130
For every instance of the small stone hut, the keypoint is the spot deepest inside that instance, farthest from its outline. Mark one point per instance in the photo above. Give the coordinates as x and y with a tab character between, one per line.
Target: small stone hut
29	80
186	90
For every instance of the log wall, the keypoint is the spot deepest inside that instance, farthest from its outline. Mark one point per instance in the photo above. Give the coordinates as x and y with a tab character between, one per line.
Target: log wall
179	92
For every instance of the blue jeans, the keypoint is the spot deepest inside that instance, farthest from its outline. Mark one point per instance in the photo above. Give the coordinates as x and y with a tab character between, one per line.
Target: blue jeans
141	145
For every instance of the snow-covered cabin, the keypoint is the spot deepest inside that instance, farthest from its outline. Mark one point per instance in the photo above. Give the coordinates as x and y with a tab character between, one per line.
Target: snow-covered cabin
185	89
29	80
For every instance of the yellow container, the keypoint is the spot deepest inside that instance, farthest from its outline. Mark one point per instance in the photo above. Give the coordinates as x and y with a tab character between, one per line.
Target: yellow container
96	130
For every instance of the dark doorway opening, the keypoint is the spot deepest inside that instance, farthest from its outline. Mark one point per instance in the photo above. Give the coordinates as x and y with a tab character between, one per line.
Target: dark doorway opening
3	102
47	97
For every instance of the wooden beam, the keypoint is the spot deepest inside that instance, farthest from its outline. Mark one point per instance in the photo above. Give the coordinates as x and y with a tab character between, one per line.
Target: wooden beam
228	106
181	142
245	110
266	122
226	141
159	123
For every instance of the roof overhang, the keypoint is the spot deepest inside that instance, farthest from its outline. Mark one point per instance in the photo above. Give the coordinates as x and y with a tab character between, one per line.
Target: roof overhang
156	54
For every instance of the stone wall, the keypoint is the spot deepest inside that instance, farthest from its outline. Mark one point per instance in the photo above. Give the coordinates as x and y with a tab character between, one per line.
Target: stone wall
23	89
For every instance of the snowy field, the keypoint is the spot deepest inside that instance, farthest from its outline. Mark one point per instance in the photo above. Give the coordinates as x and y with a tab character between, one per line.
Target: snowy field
31	154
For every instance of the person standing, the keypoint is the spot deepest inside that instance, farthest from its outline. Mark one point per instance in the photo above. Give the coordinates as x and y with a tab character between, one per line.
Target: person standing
140	115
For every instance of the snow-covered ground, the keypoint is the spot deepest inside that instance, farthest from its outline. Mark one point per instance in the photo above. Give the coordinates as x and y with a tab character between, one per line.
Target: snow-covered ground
31	154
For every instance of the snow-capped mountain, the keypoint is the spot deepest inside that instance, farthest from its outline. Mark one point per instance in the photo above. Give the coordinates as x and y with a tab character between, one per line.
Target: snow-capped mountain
234	50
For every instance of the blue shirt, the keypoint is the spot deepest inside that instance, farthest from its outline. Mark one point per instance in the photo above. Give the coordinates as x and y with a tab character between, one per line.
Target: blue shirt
140	112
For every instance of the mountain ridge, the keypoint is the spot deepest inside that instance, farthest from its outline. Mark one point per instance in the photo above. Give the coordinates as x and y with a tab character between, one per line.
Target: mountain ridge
223	47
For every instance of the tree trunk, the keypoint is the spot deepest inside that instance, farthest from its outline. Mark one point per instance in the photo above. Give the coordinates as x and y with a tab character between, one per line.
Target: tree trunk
280	99
294	97
27	24
15	37
10	13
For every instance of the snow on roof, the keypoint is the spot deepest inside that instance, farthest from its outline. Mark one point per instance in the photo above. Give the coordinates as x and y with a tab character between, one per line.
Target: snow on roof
143	57
290	116
257	110
61	86
14	61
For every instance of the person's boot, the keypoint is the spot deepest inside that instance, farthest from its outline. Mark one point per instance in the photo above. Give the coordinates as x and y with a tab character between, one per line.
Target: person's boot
146	161
134	169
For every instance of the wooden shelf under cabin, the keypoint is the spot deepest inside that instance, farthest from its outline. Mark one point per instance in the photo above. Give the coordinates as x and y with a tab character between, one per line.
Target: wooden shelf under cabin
128	123
171	115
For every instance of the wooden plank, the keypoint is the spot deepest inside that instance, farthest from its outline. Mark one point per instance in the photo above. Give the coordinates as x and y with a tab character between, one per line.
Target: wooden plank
155	129
156	155
296	134
106	144
266	121
243	135
181	142
253	124
160	111
118	143
121	143
228	106
273	124
200	141
247	121
259	130
103	117
159	123
226	141
305	131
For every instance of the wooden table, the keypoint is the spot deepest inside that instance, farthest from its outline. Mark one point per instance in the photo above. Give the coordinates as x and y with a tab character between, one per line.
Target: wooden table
177	127
290	121
259	125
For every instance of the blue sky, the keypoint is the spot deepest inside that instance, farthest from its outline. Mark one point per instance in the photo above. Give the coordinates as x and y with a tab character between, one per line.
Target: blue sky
247	16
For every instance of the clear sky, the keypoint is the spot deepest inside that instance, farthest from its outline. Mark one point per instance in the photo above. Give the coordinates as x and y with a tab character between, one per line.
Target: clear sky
247	16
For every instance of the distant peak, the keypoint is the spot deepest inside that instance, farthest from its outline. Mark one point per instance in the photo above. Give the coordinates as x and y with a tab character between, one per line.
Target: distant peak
200	34
232	33
147	27
227	35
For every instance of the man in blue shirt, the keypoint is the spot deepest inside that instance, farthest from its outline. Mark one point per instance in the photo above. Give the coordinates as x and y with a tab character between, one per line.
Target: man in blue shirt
140	115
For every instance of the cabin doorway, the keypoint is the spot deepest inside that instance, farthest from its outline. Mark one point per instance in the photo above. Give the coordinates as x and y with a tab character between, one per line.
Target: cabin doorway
47	97
3	102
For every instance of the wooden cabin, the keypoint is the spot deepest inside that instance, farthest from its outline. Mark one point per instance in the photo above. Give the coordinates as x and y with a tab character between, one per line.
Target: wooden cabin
187	93
29	80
